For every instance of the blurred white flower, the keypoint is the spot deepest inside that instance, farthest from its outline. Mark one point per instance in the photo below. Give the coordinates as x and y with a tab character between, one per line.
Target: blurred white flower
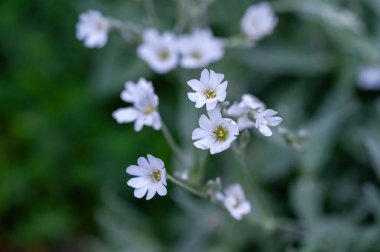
369	78
159	52
235	202
258	21
200	49
92	28
144	110
215	133
267	118
150	177
208	90
246	110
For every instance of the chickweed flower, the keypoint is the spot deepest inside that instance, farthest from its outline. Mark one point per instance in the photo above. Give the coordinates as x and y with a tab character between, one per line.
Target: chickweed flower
208	90
258	21
150	177
267	118
159	52
235	202
246	110
369	77
200	49
215	133
144	110
92	28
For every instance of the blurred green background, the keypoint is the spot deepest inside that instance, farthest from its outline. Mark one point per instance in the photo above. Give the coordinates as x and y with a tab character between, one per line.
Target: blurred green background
63	157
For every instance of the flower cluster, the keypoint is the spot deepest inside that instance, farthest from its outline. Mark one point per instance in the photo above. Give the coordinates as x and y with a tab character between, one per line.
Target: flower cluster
164	52
218	128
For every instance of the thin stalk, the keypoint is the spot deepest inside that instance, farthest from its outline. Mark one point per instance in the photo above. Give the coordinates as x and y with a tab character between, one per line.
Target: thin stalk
187	187
169	138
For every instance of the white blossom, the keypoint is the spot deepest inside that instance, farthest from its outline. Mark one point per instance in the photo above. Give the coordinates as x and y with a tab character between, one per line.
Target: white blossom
215	133
369	77
267	118
235	202
92	28
144	109
246	111
150	177
258	21
200	49
208	90
160	52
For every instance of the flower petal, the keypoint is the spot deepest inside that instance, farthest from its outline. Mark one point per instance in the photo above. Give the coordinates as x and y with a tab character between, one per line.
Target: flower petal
143	162
205	77
204	143
155	163
215	115
161	190
196	85
199	133
205	123
125	115
265	130
274	121
135	170
140	192
151	192
139	182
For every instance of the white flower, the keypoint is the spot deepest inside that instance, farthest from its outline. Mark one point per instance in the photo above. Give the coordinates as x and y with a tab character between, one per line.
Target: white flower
208	90
150	177
235	202
258	21
215	133
144	110
246	111
267	118
92	28
200	49
369	78
159	52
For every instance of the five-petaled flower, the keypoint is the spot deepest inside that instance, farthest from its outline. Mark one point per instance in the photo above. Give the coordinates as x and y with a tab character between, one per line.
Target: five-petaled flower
159	52
208	90
235	202
200	49
215	133
144	110
258	21
92	28
267	118
246	111
150	177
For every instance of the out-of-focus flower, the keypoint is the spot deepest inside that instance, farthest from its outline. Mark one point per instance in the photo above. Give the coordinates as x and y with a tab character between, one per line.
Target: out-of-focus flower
235	202
215	133
159	52
144	110
92	28
150	177
258	21
208	90
265	119
200	49
369	78
246	110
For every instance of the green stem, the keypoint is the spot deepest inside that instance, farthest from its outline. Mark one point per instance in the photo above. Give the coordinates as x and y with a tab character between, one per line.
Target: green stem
185	186
169	138
150	10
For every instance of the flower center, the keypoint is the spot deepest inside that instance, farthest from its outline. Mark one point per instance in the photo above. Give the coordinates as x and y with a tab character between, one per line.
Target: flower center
163	55
150	110
156	175
196	55
210	93
220	133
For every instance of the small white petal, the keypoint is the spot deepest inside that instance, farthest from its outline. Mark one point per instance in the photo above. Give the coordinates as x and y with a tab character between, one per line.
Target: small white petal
125	115
161	190
200	133
143	162
139	182
151	192
155	163
211	105
196	85
265	130
140	192
215	115
137	171
205	76
205	123
274	121
204	143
